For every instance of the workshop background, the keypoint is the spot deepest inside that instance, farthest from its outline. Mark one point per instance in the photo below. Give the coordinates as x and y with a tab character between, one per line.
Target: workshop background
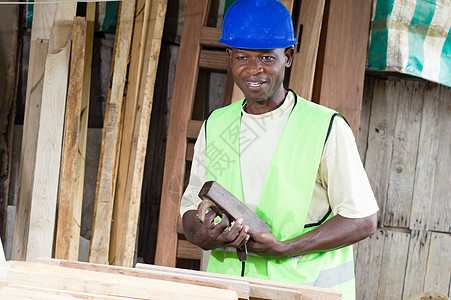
99	115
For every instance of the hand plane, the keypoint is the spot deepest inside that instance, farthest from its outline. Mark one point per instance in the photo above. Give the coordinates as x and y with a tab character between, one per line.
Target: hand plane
221	201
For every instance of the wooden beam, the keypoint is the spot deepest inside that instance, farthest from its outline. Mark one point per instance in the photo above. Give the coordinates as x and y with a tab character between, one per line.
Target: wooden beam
21	291
106	177
135	132
69	212
48	152
239	286
187	250
209	36
9	22
214	59
304	61
40	176
181	110
40	35
344	58
259	288
106	284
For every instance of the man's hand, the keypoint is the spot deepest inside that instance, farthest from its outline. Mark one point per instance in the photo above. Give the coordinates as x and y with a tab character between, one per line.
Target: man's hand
209	235
265	244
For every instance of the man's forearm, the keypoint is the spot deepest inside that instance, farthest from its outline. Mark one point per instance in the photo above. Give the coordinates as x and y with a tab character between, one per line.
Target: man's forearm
335	233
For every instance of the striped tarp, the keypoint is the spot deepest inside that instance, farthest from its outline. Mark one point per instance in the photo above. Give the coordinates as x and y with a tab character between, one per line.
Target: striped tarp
412	37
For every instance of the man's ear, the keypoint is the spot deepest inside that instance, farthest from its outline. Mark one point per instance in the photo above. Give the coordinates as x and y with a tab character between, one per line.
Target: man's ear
229	52
289	52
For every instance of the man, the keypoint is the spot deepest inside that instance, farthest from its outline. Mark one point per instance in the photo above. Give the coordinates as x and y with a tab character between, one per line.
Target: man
291	161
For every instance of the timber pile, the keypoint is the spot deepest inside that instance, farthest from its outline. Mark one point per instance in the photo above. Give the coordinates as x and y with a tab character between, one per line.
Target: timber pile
27	280
55	132
61	279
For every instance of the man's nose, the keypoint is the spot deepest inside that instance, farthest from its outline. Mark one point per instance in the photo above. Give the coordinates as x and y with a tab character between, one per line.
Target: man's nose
254	66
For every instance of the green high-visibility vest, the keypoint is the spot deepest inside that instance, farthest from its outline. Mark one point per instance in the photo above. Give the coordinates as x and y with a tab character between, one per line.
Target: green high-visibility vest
285	199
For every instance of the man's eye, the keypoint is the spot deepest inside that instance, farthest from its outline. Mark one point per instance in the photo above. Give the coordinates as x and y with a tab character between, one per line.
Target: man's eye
267	58
241	57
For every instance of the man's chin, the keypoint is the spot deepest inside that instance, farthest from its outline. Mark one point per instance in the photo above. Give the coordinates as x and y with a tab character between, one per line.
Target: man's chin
255	98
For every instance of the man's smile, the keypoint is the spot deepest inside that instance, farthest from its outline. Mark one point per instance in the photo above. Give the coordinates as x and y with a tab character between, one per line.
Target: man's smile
255	84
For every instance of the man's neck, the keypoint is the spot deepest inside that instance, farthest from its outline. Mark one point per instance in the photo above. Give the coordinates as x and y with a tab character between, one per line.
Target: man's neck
262	107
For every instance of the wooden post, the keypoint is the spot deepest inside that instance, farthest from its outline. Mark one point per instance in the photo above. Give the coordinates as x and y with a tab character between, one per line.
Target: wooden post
138	108
340	83
106	178
304	60
69	212
181	109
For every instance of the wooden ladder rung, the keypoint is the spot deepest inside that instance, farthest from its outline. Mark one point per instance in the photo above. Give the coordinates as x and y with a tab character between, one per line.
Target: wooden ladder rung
193	129
209	36
189	151
211	59
187	250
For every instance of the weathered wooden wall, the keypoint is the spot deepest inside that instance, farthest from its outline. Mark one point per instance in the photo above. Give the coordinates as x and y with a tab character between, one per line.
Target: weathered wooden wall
405	143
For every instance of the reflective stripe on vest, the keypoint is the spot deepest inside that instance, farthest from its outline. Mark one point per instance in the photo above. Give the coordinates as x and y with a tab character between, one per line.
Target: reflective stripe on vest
334	276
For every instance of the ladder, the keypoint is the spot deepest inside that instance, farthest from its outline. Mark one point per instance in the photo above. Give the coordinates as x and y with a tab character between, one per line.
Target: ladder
328	68
198	49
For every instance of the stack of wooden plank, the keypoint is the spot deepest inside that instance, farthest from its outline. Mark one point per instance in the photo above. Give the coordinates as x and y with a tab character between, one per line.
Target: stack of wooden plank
28	280
55	132
61	279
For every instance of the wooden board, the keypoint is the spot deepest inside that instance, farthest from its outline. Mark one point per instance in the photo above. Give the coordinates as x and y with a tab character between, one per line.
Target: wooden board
69	210
106	180
259	288
181	110
404	155
38	53
24	292
416	263
393	265
346	38
51	122
138	45
380	139
368	265
239	286
49	84
39	44
440	218
303	69
438	270
107	284
82	159
48	155
134	141
427	159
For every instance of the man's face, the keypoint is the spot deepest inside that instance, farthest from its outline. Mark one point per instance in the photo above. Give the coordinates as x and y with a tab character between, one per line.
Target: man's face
259	73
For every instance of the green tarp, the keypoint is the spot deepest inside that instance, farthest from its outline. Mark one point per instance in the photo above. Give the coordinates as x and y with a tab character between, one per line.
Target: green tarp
412	37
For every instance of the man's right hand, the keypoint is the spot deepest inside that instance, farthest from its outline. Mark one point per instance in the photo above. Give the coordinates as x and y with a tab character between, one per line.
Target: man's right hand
209	235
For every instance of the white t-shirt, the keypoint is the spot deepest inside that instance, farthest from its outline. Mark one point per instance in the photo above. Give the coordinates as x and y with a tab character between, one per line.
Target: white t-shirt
341	182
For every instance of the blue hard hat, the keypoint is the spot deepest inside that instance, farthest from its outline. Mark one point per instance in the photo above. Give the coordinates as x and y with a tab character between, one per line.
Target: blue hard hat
258	24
